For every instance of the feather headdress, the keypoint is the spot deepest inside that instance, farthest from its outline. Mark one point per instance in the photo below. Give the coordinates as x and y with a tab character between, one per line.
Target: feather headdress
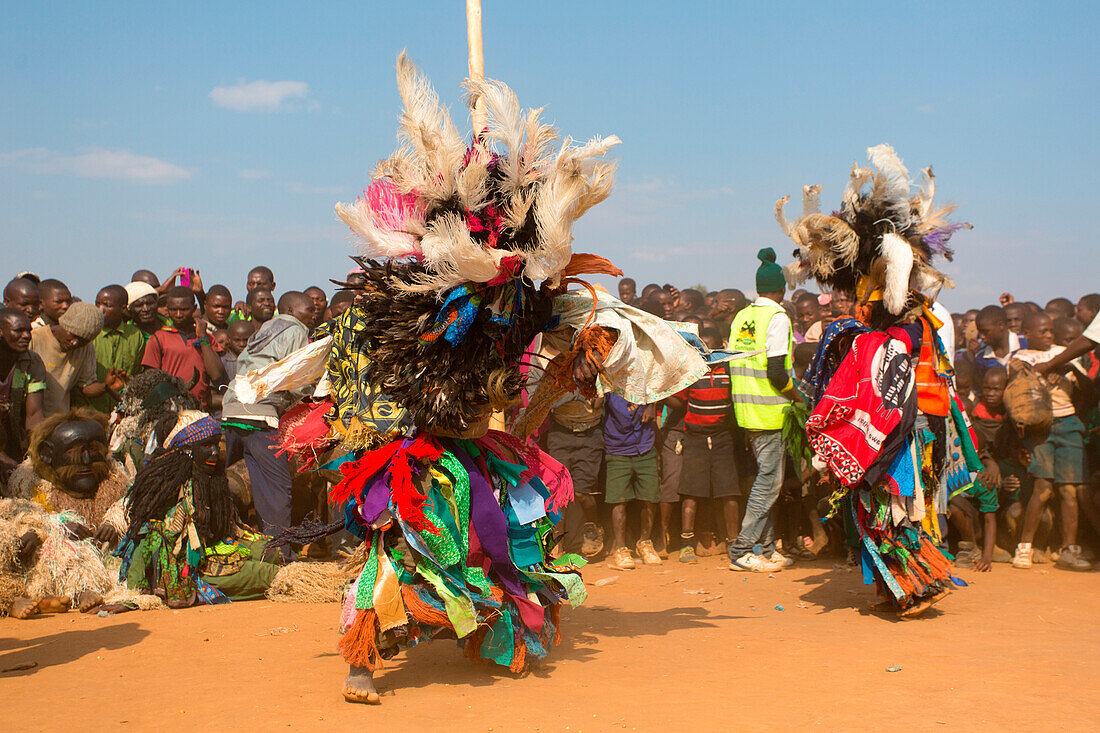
883	238
501	207
462	246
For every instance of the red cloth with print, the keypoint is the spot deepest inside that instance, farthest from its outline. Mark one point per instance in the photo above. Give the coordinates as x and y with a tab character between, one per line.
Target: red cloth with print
862	404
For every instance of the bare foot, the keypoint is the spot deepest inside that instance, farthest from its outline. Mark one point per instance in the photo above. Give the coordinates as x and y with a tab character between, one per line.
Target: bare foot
23	608
54	604
359	687
820	542
87	600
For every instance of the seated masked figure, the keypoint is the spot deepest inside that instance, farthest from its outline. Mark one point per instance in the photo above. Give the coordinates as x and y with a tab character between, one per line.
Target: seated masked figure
185	544
50	563
68	470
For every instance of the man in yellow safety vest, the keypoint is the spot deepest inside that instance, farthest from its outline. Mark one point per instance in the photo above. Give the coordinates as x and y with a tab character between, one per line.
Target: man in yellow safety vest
762	389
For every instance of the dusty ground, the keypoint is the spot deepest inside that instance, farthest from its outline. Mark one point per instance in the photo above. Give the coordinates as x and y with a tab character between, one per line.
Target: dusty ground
662	648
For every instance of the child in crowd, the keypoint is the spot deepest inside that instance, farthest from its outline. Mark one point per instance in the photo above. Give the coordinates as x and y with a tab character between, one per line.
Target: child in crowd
1000	342
1058	462
630	445
219	339
807	318
965	384
237	336
1002	471
708	468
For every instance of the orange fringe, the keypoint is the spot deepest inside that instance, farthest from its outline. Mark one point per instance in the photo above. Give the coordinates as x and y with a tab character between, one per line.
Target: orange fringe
586	264
519	655
913	572
474	641
555	618
422	612
559	373
359	645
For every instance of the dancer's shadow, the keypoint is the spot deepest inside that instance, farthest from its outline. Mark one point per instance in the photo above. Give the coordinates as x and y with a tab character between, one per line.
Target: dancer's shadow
63	647
842	588
440	663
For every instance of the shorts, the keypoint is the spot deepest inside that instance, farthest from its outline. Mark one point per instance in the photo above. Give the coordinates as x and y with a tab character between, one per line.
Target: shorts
710	471
672	462
984	497
581	454
1061	457
632	478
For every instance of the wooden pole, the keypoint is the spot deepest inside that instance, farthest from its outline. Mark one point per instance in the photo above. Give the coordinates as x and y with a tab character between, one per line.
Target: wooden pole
477	61
477	114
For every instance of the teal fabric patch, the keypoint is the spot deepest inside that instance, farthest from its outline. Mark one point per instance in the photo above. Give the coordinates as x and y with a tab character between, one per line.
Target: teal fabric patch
499	643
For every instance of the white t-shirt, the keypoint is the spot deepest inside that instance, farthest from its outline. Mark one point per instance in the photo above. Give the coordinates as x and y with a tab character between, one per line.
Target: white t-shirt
778	338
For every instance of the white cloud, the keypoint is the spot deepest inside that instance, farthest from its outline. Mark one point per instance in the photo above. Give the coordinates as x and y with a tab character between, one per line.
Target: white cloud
96	163
260	96
252	174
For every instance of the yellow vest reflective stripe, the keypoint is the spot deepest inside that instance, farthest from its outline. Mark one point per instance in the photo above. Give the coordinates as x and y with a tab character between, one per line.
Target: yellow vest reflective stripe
757	404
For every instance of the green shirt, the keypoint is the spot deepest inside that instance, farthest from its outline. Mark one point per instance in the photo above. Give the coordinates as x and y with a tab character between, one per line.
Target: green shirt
115	348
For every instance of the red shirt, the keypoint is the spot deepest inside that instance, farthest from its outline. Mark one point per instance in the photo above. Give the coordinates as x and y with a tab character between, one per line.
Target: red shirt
171	351
709	403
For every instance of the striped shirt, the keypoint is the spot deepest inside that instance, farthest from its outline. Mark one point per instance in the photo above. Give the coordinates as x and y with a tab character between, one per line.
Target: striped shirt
709	406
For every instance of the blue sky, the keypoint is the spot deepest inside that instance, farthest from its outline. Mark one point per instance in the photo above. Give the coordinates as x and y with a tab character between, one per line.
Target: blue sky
219	135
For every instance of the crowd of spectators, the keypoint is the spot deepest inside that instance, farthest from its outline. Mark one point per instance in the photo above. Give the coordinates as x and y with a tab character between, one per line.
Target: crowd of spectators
680	477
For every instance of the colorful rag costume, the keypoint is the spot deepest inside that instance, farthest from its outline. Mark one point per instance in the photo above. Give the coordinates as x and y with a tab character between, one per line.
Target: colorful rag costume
184	544
886	421
475	243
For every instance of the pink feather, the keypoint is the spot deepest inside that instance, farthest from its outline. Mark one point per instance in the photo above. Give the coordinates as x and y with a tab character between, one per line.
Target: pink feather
391	209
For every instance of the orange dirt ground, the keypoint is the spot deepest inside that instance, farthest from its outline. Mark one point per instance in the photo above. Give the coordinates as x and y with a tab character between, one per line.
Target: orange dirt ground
662	648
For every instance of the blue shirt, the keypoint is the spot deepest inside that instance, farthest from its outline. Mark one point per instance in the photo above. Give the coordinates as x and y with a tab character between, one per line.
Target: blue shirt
624	433
985	358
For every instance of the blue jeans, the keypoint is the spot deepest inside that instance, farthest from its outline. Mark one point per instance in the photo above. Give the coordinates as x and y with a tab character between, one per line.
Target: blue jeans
270	475
757	527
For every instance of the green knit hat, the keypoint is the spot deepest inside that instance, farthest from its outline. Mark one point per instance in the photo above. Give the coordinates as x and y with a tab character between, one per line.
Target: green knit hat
769	276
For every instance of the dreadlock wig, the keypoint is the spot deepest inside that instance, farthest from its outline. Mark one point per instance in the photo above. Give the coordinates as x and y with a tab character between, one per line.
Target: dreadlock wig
463	245
149	398
159	484
881	242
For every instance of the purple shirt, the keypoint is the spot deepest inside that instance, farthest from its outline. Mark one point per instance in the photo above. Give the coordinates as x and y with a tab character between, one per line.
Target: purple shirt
624	433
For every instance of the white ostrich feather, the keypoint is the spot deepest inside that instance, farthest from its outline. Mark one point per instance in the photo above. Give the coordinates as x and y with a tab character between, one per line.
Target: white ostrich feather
376	241
811	199
890	184
553	214
784	224
857	179
538	146
454	257
796	272
926	193
429	136
899	264
597	187
574	184
505	124
929	280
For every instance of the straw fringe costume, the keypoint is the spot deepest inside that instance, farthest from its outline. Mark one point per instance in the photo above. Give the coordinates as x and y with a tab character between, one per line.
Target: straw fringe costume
61	565
886	421
467	254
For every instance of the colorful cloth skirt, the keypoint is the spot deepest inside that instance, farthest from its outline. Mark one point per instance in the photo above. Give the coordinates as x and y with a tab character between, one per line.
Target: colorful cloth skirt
459	535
